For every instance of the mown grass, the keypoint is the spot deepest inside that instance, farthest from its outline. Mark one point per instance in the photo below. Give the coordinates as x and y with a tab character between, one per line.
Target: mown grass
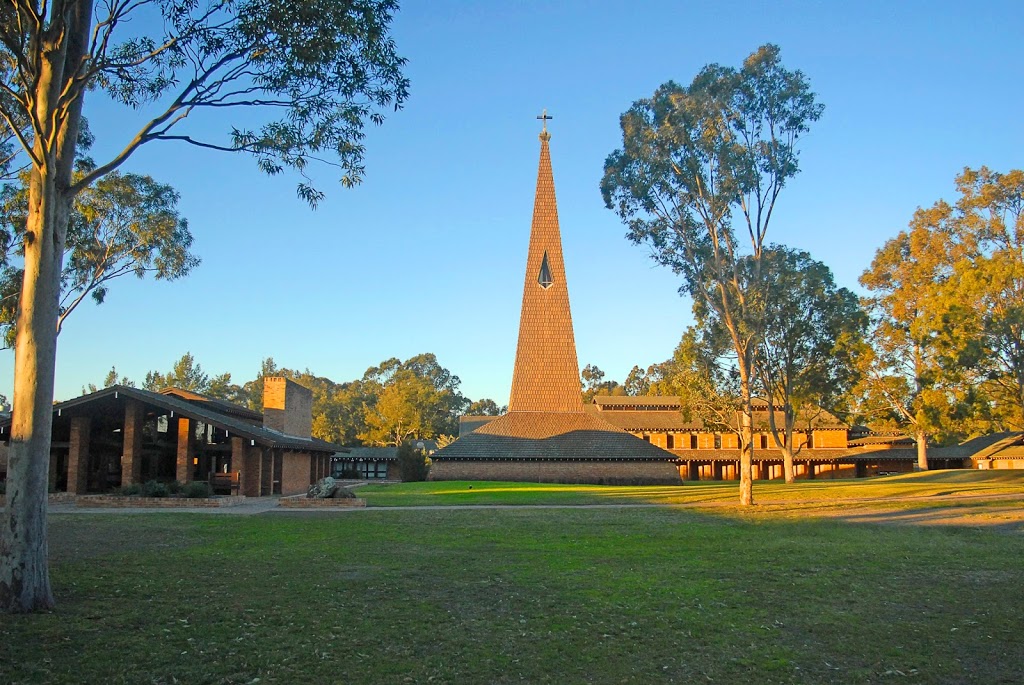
534	595
911	485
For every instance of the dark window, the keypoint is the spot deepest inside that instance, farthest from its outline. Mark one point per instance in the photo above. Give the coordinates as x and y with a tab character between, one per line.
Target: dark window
693	441
670	441
544	277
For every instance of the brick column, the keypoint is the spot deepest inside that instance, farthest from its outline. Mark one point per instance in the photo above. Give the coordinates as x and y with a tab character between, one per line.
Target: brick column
52	478
247	461
78	455
184	471
131	455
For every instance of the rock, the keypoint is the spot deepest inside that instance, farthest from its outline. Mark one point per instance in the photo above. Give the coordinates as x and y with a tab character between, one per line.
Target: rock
323	488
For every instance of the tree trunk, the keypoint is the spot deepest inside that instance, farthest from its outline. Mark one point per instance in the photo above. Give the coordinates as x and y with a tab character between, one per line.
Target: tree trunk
787	449
746	444
787	463
24	574
24	570
922	451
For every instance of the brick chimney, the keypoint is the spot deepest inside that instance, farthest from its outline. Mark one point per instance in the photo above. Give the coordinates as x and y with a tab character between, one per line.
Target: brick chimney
287	407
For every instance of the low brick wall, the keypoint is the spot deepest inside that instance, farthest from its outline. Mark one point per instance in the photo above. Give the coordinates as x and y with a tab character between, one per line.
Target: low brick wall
591	472
114	502
304	502
52	498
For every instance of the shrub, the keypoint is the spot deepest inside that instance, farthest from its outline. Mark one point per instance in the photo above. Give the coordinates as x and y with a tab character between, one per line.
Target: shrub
129	490
343	493
174	488
413	464
155	488
196	490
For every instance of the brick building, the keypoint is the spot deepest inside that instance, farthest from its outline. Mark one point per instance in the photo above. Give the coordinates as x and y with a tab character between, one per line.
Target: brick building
122	435
546	434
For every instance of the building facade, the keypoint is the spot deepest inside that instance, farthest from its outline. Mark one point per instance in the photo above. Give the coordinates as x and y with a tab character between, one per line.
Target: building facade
121	435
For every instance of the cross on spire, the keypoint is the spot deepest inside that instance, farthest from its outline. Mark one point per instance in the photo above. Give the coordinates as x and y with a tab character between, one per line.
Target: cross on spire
544	117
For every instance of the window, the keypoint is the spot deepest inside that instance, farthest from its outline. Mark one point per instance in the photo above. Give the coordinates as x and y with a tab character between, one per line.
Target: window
544	277
670	441
372	469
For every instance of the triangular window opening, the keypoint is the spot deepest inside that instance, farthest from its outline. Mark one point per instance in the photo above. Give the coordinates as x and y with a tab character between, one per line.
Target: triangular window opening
544	278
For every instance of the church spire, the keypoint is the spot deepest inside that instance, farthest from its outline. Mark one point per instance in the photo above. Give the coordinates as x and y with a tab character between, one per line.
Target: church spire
546	377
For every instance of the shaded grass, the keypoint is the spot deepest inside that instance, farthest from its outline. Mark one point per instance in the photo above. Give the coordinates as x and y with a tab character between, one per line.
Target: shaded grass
930	484
521	595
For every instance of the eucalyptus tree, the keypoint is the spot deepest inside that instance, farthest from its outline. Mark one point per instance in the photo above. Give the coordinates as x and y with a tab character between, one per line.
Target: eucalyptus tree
811	329
985	331
308	73
697	179
123	224
902	373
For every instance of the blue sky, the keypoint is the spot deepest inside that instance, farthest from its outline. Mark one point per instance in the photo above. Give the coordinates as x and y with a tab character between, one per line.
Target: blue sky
427	255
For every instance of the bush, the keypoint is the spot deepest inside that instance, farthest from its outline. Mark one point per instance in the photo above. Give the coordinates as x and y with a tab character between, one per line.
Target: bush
196	490
413	464
129	490
155	488
343	493
174	488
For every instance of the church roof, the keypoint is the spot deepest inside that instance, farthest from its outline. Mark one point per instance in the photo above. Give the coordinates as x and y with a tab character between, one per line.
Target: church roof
550	436
651	420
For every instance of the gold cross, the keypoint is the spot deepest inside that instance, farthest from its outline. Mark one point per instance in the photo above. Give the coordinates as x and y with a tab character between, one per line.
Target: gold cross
544	117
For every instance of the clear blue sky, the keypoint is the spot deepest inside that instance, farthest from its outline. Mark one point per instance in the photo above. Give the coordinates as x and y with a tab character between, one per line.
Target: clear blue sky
427	255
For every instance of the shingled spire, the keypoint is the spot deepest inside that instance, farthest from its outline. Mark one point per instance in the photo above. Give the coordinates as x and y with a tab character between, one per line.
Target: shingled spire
546	434
546	377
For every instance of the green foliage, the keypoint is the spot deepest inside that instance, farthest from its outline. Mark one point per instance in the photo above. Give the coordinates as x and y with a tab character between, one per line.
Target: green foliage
700	164
811	329
417	398
188	374
702	375
196	489
129	490
155	488
947	302
693	158
592	380
413	464
123	224
485	407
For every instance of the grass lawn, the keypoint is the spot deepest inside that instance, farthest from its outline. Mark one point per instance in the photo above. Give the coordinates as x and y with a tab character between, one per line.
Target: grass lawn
523	595
912	485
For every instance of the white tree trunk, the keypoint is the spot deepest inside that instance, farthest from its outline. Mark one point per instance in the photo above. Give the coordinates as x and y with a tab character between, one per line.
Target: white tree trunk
922	451
746	445
24	574
61	50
